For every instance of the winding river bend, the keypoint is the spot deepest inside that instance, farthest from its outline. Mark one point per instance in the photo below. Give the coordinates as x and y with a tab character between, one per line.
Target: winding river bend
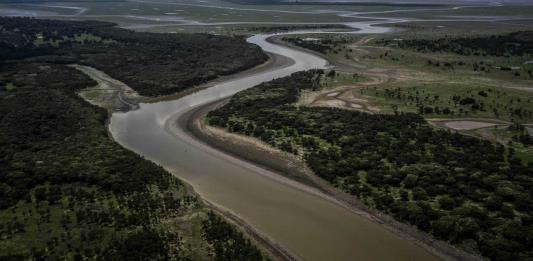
309	225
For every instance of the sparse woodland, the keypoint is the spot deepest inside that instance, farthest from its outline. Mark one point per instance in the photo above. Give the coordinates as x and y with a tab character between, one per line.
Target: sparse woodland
513	44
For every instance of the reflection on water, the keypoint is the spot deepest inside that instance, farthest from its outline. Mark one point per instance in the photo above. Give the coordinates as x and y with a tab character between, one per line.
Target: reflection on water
308	225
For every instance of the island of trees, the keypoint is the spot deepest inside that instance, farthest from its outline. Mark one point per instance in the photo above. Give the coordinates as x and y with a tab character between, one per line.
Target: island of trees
321	45
475	194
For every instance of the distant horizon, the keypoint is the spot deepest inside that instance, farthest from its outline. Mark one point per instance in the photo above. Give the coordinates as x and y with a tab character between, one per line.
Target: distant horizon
429	2
369	2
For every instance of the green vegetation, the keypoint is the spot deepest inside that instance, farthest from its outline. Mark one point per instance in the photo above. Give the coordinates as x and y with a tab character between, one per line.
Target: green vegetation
68	191
336	79
509	53
226	243
287	28
321	44
518	140
509	59
467	191
520	134
455	100
313	44
438	82
517	43
152	64
508	68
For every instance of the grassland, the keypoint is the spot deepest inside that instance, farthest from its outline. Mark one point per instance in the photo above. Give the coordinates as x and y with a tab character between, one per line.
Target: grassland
437	85
442	100
341	79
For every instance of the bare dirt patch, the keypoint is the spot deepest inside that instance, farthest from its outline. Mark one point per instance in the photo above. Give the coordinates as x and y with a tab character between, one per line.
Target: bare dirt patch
109	93
468	125
330	103
332	94
345	97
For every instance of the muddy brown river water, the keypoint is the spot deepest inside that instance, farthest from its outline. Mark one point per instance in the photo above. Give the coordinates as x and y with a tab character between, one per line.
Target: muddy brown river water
306	223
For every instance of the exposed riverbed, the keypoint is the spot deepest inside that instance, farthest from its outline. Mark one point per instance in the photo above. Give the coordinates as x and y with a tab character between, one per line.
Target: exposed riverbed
301	219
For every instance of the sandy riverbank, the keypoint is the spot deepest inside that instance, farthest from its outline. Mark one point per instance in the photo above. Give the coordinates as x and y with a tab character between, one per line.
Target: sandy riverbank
291	167
110	97
276	163
272	249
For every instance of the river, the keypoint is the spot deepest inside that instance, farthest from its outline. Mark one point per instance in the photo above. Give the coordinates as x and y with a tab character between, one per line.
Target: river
309	225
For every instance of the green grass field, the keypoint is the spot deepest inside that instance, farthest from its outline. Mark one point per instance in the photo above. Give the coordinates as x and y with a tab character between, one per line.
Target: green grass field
439	84
341	79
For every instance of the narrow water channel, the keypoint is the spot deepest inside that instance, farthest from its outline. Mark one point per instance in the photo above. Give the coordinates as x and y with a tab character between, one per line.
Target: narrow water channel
308	225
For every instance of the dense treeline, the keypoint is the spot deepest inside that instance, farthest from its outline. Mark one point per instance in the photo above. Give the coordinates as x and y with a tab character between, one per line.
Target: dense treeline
64	182
521	134
152	64
461	189
513	44
70	192
317	44
314	45
228	244
287	28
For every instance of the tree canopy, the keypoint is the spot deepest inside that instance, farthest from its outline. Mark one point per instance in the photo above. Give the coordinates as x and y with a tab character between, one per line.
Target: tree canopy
460	189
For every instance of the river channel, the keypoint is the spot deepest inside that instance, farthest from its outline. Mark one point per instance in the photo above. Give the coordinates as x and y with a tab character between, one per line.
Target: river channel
309	225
